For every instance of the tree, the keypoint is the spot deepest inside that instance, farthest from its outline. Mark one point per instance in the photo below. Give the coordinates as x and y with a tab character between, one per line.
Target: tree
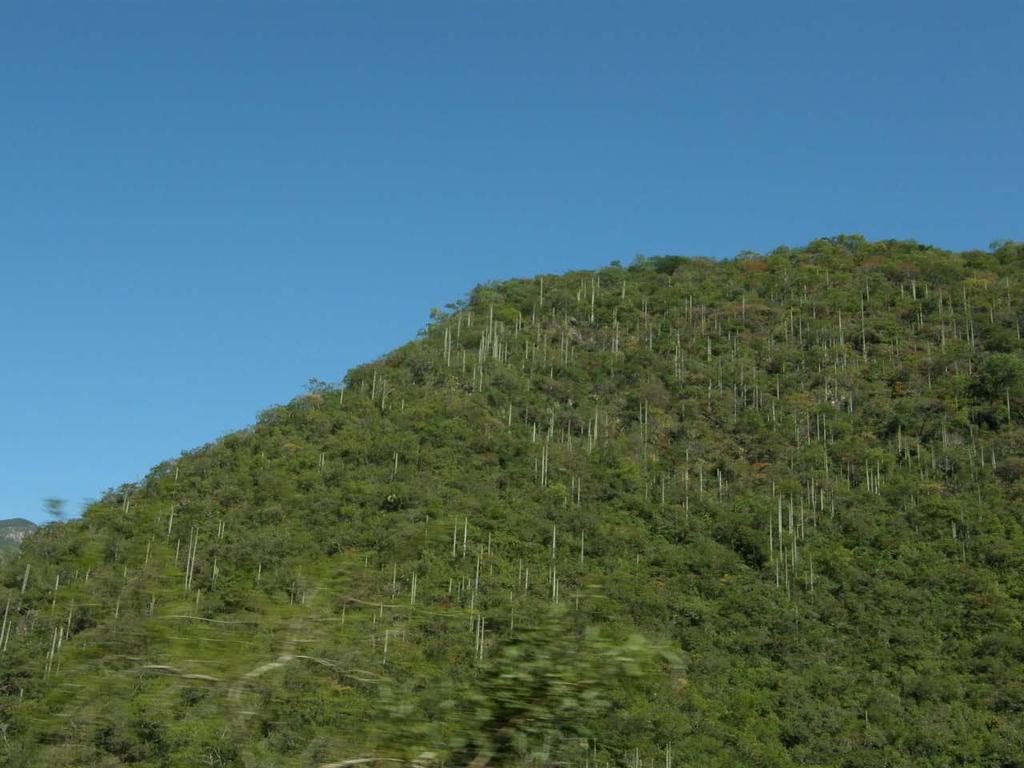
998	374
54	508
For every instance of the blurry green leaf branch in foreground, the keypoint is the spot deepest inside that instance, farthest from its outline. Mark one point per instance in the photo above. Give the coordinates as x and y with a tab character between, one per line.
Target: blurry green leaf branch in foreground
545	689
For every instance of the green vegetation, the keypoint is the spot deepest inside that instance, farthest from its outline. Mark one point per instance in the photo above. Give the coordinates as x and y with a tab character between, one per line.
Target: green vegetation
766	511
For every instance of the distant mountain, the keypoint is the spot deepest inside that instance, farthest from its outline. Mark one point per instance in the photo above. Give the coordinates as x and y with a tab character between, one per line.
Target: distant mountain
13	531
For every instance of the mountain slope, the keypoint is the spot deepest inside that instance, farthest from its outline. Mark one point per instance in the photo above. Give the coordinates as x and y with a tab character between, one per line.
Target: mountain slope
798	477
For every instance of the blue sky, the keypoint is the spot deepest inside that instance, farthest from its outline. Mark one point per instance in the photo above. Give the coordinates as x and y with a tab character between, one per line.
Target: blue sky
202	205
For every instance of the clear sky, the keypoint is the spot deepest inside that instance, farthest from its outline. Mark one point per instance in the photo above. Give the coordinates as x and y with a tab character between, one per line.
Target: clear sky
204	204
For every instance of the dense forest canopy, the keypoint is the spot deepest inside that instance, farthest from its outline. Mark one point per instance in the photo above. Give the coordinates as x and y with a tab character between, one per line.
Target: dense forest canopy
762	511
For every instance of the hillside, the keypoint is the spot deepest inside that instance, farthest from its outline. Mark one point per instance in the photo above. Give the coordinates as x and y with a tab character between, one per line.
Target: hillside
764	511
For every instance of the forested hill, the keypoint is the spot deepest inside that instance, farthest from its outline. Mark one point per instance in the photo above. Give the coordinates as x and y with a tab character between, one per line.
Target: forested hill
765	511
